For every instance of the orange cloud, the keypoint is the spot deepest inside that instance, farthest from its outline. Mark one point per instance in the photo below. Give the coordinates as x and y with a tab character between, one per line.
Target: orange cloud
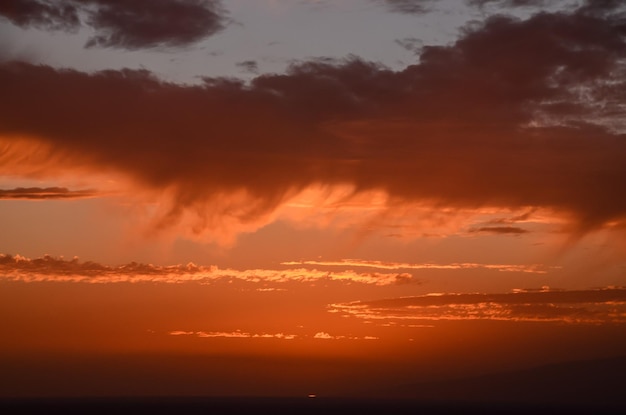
535	269
37	193
238	334
595	306
325	336
50	269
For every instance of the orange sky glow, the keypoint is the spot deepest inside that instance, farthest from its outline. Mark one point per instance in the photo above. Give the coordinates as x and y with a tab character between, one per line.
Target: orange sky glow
188	211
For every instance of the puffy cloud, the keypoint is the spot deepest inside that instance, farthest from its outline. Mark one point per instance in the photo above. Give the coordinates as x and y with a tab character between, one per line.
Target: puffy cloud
128	24
594	306
515	114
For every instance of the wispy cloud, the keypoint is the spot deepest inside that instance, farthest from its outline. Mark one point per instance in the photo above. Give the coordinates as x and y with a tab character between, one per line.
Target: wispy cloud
501	230
535	269
48	268
238	334
594	306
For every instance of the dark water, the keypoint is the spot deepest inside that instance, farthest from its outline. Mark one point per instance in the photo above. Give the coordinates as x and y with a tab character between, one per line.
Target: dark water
304	406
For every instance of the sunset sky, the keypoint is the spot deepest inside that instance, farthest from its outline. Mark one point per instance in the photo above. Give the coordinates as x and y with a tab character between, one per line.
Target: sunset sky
283	197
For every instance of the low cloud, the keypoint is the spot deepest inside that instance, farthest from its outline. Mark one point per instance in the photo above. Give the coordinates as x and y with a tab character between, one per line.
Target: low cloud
238	334
51	269
594	306
127	24
325	336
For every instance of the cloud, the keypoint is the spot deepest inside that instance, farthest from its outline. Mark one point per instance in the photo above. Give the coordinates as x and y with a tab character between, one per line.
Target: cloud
534	268
594	306
515	115
60	15
38	193
249	66
238	334
410	44
127	24
508	3
407	6
325	336
137	24
51	269
501	230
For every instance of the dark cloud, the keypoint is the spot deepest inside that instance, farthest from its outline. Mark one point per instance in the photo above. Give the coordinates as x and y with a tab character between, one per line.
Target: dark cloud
137	24
515	114
607	305
407	6
411	44
127	24
37	193
249	66
508	3
59	15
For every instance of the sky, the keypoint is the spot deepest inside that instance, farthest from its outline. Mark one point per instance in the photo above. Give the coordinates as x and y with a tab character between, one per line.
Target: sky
284	197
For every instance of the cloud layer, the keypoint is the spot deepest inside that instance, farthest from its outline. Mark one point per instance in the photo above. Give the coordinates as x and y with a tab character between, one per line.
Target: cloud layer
51	269
595	306
535	268
515	114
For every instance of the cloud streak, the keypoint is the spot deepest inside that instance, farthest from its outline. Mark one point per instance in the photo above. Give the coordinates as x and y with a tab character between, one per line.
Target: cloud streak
46	193
515	114
594	306
238	334
50	269
535	268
